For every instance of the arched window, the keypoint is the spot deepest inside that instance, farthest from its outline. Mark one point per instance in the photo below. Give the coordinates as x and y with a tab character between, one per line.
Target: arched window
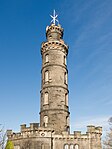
64	60
46	76
65	78
66	146
50	36
68	120
45	121
66	99
46	98
71	146
68	129
46	58
42	146
76	146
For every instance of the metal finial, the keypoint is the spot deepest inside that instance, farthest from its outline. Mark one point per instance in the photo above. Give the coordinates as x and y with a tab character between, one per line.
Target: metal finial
54	18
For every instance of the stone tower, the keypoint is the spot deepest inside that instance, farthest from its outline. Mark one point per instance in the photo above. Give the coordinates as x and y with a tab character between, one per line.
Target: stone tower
54	110
53	132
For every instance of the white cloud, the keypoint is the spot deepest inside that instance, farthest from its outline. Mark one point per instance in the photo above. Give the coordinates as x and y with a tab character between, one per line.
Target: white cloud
82	123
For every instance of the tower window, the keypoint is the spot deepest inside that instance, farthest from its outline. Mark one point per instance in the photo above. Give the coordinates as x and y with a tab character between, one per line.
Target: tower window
66	146
50	36
66	99
71	146
76	146
67	120
46	58
68	129
45	121
46	76
42	146
65	78
46	98
64	60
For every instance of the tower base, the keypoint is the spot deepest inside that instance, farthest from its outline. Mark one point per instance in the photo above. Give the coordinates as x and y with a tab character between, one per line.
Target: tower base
36	137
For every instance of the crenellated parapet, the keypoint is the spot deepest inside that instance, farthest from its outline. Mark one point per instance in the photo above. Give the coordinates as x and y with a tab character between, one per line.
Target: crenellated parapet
91	130
33	126
54	45
40	134
34	130
94	130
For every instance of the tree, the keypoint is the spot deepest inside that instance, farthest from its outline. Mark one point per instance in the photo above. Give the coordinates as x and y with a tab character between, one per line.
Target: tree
2	138
108	139
9	145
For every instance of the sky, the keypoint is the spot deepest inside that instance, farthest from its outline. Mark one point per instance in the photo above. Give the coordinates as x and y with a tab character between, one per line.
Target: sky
88	32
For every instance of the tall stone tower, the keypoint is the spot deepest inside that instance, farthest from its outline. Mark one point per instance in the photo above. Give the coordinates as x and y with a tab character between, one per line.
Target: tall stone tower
53	132
54	110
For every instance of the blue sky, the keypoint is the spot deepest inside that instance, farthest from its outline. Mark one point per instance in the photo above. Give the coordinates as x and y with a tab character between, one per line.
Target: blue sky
88	32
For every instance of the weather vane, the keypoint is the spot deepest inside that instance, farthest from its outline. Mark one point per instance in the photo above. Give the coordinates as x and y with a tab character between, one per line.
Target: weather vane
54	18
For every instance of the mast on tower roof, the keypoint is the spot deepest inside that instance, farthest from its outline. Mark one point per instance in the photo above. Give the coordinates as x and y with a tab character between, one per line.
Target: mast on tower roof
54	18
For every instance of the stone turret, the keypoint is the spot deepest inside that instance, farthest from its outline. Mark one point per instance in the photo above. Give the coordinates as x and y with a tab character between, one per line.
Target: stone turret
54	112
94	133
54	32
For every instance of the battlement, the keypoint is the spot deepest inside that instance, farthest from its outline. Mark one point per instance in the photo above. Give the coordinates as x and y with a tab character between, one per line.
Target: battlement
77	134
53	28
93	129
38	134
33	130
33	126
60	45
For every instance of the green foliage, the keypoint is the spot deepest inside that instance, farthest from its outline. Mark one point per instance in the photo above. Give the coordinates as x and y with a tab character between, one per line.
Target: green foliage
9	145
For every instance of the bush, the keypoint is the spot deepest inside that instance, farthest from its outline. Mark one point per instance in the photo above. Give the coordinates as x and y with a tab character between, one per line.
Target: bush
9	145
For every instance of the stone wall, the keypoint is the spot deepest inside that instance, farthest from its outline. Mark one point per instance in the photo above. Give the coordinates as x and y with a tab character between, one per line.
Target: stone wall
35	137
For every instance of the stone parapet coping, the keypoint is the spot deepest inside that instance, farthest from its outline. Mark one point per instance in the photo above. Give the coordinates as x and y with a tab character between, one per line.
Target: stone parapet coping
34	131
